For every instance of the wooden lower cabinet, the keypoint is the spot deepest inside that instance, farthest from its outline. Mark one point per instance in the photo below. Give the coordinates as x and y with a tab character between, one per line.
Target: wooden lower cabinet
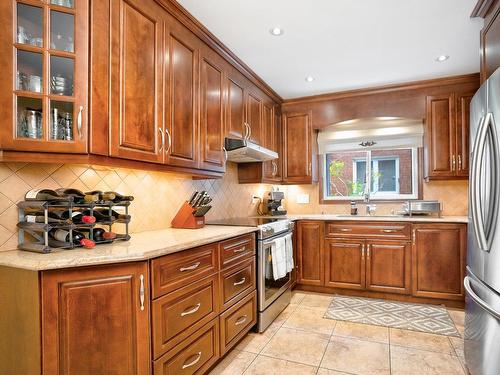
96	320
438	267
195	356
345	264
388	266
310	252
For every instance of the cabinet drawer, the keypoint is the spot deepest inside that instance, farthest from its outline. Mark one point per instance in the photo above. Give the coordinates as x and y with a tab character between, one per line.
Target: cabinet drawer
178	314
385	230
176	270
236	321
195	356
236	249
236	282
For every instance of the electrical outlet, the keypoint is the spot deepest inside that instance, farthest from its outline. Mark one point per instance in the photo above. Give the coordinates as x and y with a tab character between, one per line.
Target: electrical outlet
255	199
302	198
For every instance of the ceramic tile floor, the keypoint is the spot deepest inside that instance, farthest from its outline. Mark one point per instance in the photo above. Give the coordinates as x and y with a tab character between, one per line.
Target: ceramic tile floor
302	342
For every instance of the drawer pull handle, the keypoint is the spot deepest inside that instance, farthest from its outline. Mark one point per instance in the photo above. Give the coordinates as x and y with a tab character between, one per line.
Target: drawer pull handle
345	229
190	268
240	320
240	250
193	362
141	292
242	281
389	230
192	310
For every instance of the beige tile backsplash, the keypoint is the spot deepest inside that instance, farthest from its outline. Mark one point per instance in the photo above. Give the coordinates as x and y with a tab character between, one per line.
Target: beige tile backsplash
159	195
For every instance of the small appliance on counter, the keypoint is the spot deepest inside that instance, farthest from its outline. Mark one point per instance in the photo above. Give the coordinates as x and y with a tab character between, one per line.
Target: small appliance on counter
272	203
420	207
192	213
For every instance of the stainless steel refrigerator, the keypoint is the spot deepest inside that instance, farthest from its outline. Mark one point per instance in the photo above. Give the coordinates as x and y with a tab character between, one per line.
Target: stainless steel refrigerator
482	283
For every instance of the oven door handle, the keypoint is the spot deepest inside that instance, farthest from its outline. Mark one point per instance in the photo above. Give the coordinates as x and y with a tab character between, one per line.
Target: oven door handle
273	240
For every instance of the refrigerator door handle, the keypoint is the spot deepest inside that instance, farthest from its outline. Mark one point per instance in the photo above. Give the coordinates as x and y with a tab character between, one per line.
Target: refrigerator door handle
478	300
477	219
491	225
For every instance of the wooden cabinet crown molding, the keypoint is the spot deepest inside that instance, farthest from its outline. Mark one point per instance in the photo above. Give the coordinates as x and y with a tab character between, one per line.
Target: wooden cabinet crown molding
183	16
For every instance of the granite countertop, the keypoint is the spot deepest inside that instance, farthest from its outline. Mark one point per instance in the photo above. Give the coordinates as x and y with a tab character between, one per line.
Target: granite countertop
414	219
142	246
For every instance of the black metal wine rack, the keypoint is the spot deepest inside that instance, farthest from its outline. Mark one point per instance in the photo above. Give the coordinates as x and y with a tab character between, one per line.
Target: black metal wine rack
39	232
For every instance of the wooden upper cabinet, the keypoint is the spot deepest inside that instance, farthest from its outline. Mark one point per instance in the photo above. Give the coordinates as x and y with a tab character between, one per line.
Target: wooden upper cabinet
181	98
297	148
235	112
345	264
447	136
440	136
271	142
490	41
136	80
388	266
44	80
95	319
310	259
212	117
462	133
254	109
438	265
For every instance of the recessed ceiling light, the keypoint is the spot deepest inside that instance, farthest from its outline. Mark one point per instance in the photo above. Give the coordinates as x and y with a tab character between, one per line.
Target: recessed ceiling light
442	58
277	31
309	78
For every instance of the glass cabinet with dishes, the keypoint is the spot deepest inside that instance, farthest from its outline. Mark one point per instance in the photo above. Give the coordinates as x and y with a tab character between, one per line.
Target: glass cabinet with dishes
44	44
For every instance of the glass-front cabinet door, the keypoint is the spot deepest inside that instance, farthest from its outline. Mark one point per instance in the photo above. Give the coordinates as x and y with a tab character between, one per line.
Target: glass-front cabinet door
46	106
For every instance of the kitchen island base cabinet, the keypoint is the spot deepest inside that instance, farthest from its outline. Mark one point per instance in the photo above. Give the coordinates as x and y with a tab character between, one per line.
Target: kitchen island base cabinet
96	320
438	268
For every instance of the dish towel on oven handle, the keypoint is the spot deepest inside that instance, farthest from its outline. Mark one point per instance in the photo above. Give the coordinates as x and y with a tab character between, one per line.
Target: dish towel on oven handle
278	254
289	253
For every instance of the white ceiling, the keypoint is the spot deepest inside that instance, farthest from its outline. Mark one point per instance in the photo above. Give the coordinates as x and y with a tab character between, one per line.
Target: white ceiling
345	44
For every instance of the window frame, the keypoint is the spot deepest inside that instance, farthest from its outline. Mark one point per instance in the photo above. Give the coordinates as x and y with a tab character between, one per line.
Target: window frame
379	196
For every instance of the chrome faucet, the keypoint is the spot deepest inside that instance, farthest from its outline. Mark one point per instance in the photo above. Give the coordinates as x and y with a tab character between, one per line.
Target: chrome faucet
370	208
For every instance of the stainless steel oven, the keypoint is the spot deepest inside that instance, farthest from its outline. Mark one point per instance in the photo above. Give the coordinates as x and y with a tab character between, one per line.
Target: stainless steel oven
273	295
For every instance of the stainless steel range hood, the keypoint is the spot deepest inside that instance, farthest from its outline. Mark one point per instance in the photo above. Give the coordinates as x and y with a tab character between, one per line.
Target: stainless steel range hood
244	151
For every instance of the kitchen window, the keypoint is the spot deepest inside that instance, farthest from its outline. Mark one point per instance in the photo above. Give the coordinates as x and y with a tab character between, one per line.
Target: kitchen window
392	174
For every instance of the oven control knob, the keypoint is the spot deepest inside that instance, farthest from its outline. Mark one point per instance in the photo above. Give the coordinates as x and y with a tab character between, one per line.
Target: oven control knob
265	229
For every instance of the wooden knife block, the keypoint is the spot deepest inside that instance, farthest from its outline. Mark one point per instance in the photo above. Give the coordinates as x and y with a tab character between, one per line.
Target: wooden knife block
185	218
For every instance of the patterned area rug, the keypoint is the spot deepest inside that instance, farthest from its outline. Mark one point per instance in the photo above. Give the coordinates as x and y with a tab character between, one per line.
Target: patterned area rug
411	316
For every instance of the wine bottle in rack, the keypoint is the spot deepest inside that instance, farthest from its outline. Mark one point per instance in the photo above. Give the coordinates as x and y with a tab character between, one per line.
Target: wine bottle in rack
78	195
44	195
121	198
40	218
100	234
79	238
76	217
107	196
115	215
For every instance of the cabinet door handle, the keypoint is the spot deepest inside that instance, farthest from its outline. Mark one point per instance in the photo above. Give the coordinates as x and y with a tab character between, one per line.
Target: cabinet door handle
345	229
247	131
162	139
141	292
225	154
459	162
310	168
169	141
362	252
79	122
242	281
389	230
453	163
240	320
414	236
192	310
193	362
190	268
368	251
